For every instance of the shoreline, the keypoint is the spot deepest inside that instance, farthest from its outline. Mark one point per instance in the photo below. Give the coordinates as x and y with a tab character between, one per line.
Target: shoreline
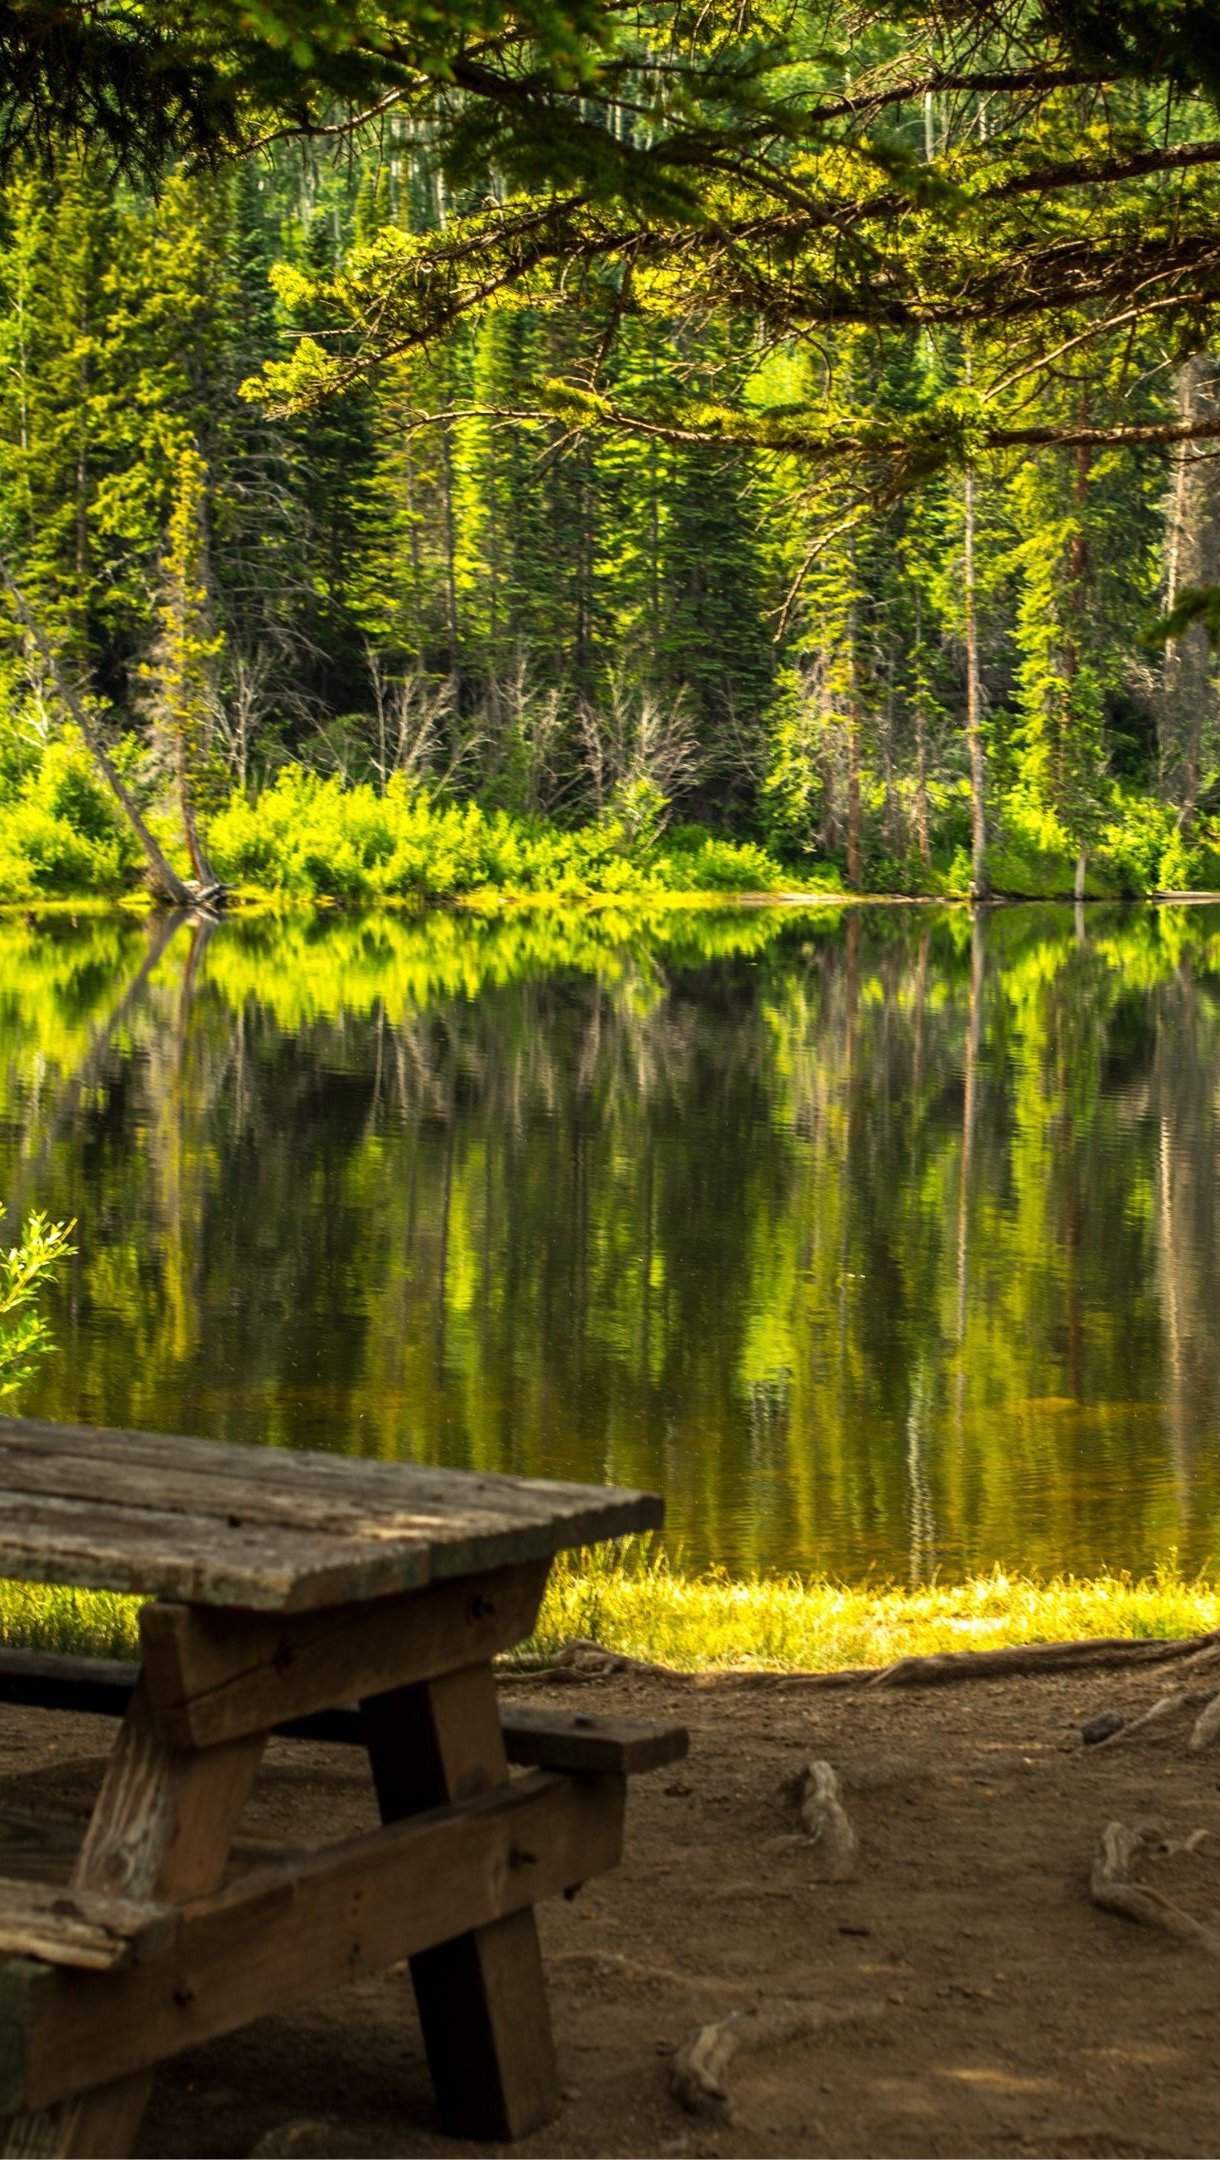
633	1605
489	902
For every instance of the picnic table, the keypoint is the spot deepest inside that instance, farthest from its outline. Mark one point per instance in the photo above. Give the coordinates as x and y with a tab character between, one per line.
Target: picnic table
288	1590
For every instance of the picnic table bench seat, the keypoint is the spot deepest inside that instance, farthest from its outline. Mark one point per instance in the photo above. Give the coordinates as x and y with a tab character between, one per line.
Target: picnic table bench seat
83	1929
319	1598
539	1739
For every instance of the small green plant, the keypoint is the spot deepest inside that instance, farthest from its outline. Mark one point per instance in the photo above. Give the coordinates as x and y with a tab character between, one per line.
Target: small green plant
24	1268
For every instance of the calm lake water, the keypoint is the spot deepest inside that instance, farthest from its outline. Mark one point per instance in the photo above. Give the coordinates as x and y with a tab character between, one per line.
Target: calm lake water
876	1240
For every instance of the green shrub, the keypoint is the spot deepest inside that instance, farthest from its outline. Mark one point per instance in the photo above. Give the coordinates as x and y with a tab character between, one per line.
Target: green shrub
310	836
1189	862
60	831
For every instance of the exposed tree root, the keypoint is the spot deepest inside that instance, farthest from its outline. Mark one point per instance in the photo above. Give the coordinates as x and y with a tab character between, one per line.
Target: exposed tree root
1111	1888
581	1662
699	2071
1207	1727
586	1661
613	1965
827	1823
1166	1706
302	2140
948	1665
1208	1655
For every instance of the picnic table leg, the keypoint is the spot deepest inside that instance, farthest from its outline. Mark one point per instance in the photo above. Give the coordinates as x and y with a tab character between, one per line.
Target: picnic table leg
162	1828
482	1997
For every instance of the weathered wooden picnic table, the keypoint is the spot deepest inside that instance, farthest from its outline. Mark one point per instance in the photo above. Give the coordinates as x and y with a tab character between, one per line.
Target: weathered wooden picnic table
285	1590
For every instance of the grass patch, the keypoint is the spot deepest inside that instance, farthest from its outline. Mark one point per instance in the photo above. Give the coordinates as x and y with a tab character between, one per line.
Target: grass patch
633	1601
80	1623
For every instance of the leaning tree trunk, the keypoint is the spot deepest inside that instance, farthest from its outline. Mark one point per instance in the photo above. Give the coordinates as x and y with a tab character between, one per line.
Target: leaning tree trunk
166	882
205	876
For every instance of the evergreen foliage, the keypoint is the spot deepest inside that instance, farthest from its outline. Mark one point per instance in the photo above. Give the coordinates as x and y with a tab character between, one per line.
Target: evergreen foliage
816	479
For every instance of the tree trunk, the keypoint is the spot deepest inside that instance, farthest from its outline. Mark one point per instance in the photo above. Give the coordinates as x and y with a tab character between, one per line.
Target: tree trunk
204	873
979	884
921	784
451	601
853	797
853	763
892	839
921	743
1187	703
165	879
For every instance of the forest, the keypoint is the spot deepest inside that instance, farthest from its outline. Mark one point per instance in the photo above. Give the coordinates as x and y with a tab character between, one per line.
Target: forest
561	561
381	549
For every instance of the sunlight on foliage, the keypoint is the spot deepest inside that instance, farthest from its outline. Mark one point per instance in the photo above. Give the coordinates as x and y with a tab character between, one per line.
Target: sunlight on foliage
24	1334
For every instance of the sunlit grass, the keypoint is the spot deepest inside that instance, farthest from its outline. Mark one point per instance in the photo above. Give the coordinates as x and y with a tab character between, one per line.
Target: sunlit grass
85	1623
636	1603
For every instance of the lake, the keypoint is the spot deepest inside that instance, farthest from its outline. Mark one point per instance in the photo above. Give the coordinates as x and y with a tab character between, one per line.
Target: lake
878	1239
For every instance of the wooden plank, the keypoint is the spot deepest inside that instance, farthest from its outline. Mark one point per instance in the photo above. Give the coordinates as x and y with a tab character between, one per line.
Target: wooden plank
217	1502
78	1928
541	1739
214	1675
138	1551
161	1831
573	1514
42	1847
312	1470
44	1679
481	1993
589	1746
39	1846
219	1493
280	1936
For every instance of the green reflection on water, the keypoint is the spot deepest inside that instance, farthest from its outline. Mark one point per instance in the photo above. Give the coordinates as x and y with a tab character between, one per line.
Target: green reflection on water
875	1239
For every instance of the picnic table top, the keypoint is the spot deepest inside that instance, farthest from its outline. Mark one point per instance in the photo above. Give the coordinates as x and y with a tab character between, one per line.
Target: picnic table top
214	1523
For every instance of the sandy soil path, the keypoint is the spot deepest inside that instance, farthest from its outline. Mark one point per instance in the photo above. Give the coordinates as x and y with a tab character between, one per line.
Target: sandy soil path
1002	2011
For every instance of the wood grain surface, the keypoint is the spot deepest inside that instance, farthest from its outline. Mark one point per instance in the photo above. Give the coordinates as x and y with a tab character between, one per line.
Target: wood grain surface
214	1523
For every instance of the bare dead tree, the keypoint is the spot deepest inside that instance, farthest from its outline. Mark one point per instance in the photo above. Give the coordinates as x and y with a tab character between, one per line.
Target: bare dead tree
638	744
165	879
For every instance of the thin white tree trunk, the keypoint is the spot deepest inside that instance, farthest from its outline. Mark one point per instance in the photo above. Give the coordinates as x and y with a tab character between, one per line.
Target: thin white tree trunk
974	716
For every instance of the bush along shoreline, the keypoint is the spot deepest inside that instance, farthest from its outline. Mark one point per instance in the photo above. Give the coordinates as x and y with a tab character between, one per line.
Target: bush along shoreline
312	838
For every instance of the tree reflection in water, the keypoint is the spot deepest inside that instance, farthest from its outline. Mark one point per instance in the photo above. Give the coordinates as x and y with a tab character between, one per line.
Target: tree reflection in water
877	1239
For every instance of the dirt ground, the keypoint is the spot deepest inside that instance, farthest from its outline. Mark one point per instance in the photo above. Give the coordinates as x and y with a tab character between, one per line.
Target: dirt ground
1004	2013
